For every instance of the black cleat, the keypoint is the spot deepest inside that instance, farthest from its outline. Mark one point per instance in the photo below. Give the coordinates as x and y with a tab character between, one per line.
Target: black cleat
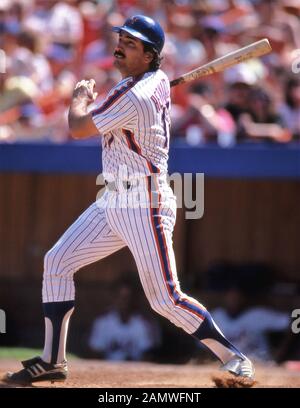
31	361
36	370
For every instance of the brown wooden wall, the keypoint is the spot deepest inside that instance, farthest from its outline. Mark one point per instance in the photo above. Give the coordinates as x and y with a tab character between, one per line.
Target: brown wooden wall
249	221
243	220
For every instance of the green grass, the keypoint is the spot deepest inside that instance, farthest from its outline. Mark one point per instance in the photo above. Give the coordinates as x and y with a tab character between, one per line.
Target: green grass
21	353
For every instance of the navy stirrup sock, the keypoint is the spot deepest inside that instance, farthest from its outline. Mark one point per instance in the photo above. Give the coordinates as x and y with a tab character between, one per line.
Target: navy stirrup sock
57	315
211	336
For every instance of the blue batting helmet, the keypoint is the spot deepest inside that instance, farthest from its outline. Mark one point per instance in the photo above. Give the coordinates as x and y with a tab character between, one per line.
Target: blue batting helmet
145	29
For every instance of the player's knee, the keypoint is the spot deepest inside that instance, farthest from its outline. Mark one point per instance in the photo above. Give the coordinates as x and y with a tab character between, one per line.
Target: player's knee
155	304
59	262
169	311
48	259
163	307
157	307
51	261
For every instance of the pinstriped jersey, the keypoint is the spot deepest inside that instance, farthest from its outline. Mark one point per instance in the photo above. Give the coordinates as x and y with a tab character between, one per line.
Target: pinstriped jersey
134	121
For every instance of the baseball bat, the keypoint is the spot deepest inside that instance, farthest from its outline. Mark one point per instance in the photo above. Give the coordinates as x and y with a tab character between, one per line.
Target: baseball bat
252	50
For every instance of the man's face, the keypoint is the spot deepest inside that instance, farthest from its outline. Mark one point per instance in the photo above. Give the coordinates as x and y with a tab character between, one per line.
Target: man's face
130	58
239	94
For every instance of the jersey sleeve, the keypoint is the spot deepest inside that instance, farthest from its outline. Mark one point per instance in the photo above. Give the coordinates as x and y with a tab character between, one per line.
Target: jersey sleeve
114	113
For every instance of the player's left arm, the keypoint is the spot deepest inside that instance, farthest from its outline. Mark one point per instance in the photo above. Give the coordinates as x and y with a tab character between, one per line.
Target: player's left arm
81	123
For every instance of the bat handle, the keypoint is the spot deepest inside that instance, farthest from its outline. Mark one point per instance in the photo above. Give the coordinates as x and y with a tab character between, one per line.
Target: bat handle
176	81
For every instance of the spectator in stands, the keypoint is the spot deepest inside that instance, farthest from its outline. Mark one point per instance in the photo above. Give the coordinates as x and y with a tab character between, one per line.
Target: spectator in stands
247	326
64	38
28	61
37	18
275	23
290	109
204	121
262	122
237	99
100	52
189	51
157	9
66	25
122	333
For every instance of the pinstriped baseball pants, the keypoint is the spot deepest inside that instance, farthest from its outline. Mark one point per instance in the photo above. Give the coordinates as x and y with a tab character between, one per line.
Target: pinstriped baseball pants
107	226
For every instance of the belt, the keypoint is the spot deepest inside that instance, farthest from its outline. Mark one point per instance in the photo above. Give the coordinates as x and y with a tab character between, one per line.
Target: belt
113	186
126	184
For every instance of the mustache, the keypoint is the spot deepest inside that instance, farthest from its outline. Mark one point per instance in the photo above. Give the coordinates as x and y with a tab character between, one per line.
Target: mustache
119	53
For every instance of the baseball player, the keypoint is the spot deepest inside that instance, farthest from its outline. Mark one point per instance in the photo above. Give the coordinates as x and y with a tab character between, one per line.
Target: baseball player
138	208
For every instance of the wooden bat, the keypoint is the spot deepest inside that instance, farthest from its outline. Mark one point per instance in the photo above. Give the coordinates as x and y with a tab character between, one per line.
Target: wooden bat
253	50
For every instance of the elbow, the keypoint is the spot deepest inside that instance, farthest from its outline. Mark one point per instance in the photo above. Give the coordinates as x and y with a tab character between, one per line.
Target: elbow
75	133
80	132
81	127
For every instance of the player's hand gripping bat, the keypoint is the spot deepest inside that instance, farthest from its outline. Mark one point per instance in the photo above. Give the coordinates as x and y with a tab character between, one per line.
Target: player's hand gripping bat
253	50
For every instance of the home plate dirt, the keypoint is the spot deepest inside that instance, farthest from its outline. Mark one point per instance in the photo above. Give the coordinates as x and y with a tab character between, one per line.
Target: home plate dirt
99	374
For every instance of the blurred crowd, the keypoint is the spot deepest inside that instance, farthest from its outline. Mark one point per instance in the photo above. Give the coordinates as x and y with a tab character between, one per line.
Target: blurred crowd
46	46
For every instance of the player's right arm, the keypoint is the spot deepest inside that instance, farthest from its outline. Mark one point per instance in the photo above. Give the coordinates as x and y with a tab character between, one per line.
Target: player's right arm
81	123
116	111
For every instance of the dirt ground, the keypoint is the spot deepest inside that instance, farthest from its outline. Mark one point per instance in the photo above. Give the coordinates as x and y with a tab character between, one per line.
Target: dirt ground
99	374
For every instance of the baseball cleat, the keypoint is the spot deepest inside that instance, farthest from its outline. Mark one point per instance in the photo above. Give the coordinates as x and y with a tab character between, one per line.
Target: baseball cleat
240	367
31	361
36	370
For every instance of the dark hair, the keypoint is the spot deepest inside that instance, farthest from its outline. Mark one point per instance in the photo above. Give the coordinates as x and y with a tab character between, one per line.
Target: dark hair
156	61
28	40
201	88
290	84
262	95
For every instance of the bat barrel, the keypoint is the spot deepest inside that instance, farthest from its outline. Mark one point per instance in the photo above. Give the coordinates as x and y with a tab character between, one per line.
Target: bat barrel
253	50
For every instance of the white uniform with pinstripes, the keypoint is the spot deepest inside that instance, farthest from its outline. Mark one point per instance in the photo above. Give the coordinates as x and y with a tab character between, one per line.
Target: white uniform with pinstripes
134	124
